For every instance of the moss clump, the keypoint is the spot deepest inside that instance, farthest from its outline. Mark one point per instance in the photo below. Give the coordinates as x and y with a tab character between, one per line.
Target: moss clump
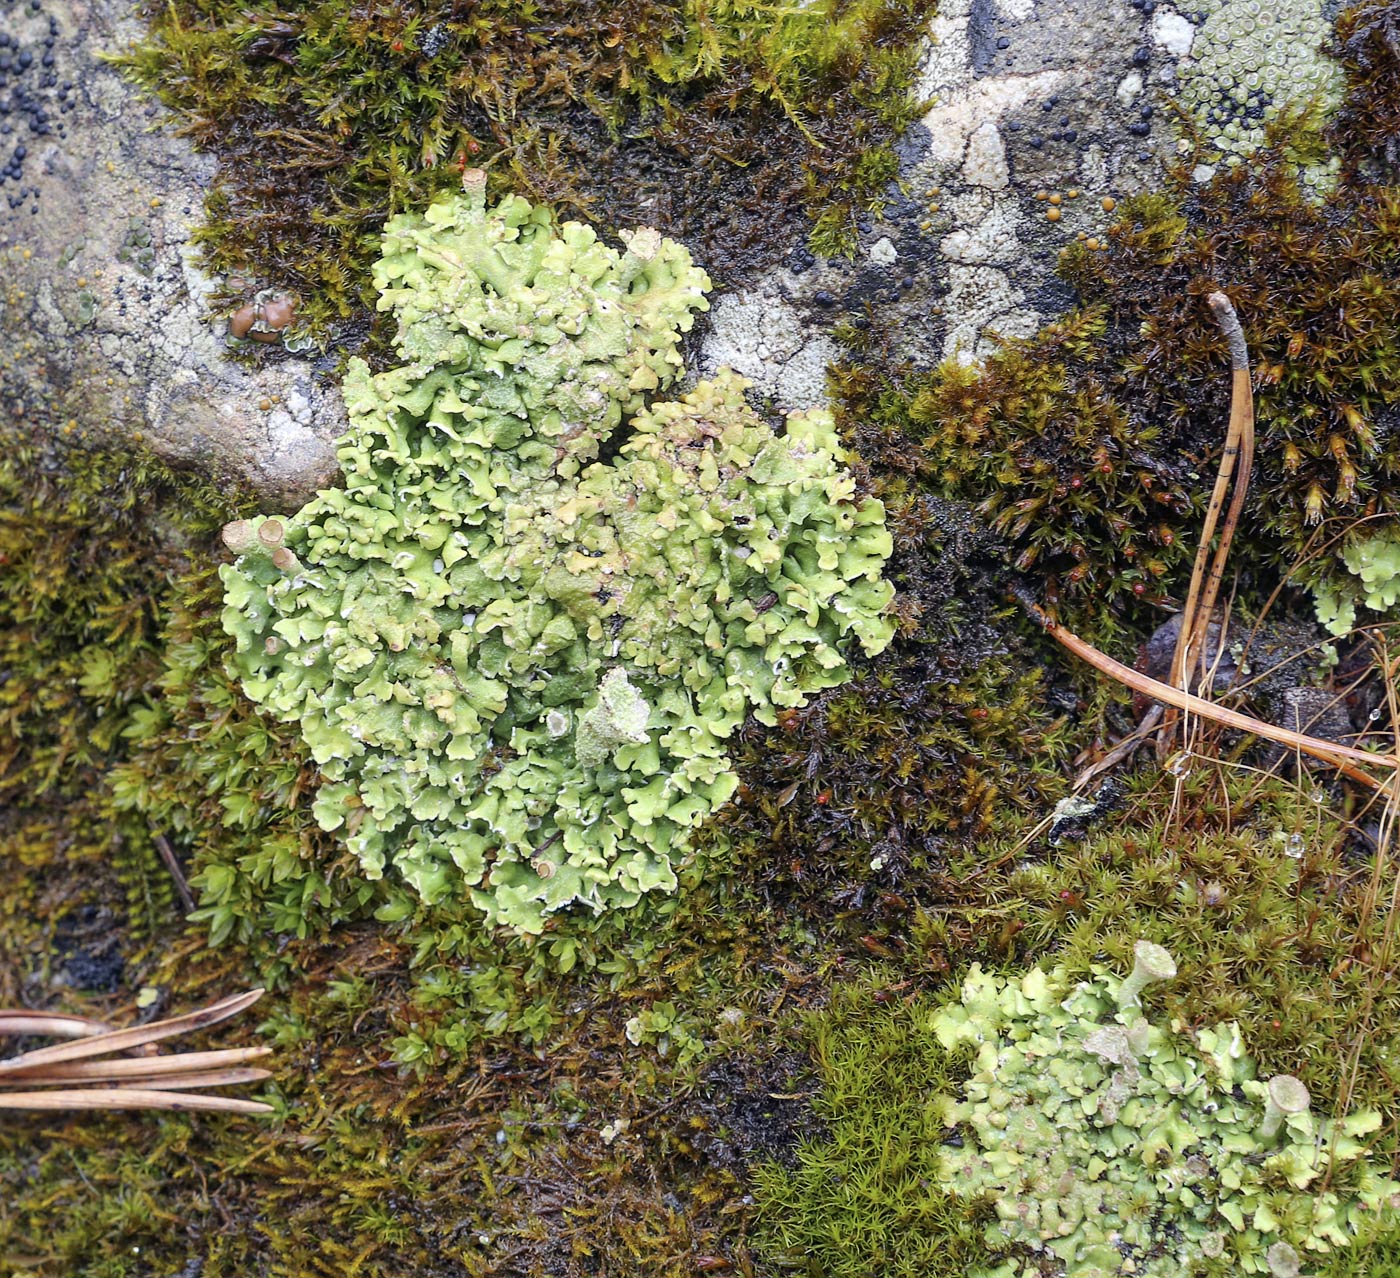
1088	450
1318	290
711	121
1073	479
1368	125
864	1198
94	549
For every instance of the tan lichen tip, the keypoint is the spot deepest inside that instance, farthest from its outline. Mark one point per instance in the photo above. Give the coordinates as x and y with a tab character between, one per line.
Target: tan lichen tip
1151	963
1230	325
1155	960
645	242
239	536
473	180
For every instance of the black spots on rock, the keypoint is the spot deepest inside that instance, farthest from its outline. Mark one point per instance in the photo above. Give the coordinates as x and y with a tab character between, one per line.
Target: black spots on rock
87	949
913	146
1054	297
434	41
30	98
981	32
760	1111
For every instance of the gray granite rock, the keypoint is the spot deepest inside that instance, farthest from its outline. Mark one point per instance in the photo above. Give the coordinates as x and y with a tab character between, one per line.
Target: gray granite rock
102	313
1051	98
103	309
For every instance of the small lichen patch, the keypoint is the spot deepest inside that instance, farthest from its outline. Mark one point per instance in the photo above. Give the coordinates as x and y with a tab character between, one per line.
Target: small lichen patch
1249	61
1102	1139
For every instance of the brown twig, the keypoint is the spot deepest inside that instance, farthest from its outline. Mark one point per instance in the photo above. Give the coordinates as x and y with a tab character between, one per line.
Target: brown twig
1343	758
129	1098
1191	642
167	854
1240	440
137	1036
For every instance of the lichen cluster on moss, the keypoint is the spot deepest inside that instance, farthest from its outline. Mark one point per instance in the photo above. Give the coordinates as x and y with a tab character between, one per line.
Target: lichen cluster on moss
1102	1138
711	120
516	669
453	1100
1253	886
441	1091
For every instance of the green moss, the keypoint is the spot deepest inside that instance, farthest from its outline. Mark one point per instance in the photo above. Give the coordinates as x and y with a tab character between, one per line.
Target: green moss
1368	44
864	1199
709	120
94	549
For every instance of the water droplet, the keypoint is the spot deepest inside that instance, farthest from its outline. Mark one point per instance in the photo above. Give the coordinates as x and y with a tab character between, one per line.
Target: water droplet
1319	796
1375	714
1294	847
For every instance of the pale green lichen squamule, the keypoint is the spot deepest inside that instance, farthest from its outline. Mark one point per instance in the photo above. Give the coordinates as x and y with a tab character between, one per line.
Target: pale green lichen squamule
516	669
1109	1145
1374	562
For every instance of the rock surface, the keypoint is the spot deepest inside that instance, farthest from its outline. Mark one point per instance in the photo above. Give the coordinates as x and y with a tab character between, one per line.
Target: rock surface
102	311
1042	114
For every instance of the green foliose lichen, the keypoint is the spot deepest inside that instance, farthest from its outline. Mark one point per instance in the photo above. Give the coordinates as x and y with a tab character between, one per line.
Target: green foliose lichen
1374	562
1102	1138
516	669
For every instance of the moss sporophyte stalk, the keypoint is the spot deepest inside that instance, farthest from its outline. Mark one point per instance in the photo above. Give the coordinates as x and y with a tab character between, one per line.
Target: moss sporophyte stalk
516	665
1102	1139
